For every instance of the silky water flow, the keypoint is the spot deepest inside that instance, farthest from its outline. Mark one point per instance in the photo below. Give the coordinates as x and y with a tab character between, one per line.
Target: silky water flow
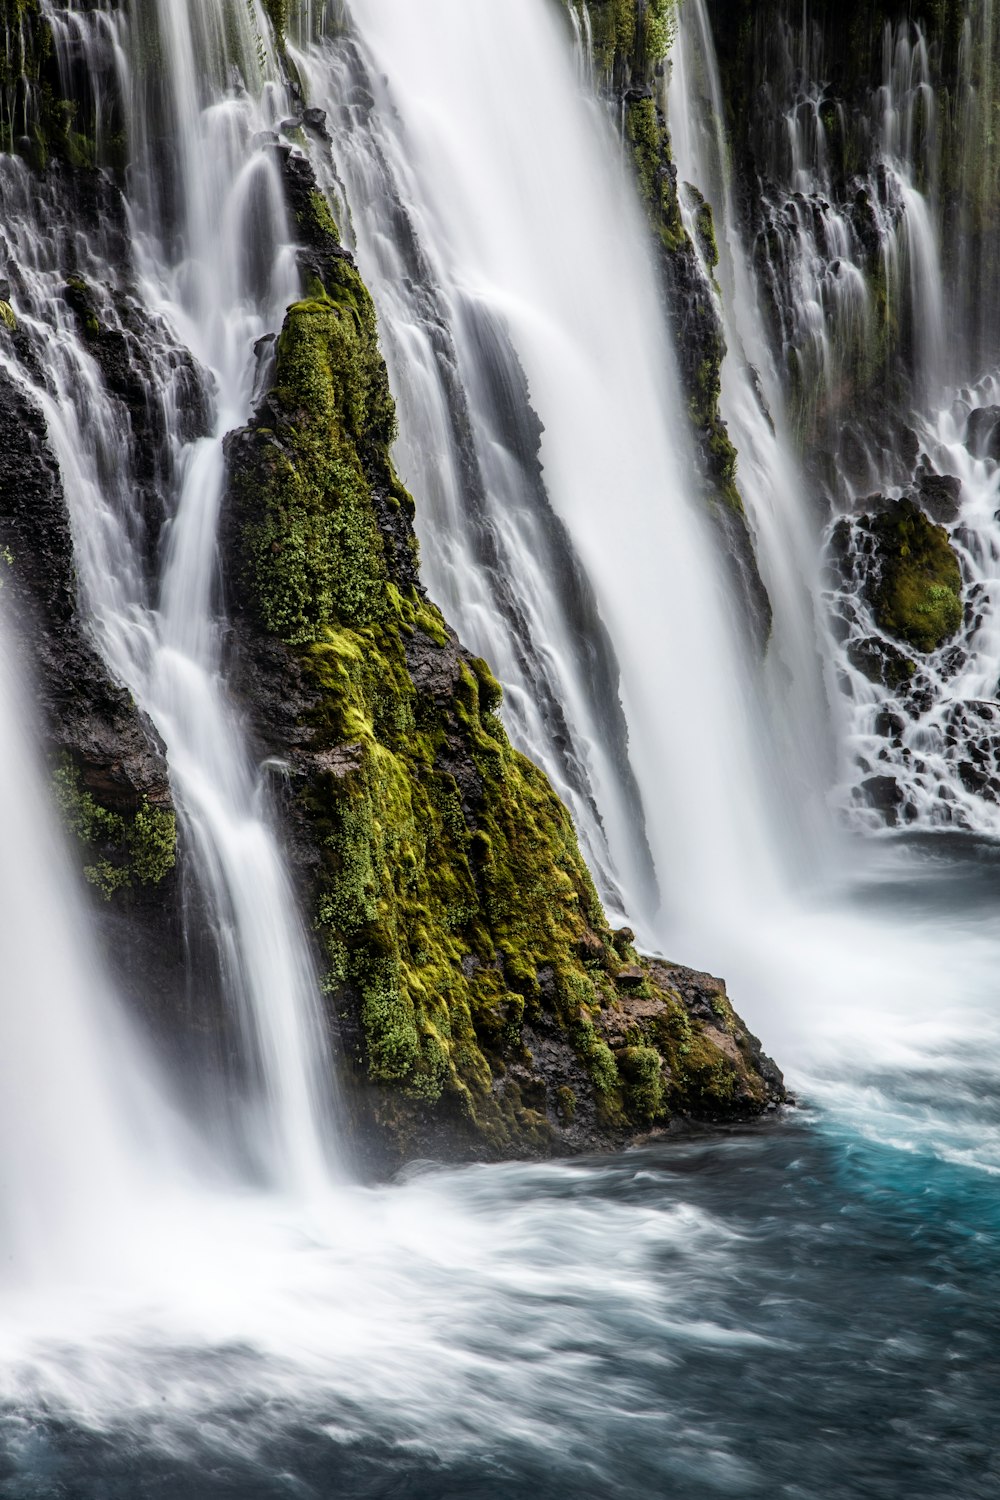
798	1310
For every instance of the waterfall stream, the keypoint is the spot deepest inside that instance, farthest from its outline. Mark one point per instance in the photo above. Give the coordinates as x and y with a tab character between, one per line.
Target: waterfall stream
207	1308
523	219
212	269
65	1050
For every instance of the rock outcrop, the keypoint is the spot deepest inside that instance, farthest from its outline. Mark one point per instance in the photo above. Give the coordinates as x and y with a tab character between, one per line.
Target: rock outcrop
486	1008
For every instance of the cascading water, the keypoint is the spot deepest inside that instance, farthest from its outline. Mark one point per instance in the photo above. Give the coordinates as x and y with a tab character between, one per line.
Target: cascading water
837	272
768	1313
459	190
212	266
65	1051
515	251
485	517
855	268
771	481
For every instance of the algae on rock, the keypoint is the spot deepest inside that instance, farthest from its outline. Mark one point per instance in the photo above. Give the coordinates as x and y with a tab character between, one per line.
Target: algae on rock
916	591
466	953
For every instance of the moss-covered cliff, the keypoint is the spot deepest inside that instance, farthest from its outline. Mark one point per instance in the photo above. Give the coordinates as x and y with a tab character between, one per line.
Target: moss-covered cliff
485	1005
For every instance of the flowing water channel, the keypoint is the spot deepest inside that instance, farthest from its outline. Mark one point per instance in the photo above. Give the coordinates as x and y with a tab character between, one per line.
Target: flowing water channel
807	1309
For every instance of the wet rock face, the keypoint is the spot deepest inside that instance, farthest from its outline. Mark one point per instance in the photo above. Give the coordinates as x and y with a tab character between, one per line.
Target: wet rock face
109	762
885	795
882	662
982	434
939	494
85	713
483	1006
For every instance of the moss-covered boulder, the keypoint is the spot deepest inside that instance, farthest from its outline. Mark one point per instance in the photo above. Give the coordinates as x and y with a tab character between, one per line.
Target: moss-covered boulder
916	585
483	1003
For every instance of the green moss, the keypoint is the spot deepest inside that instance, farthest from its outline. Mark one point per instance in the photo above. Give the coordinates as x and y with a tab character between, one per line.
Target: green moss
598	1059
630	36
917	595
705	228
277	11
566	1104
8	316
321	215
117	849
450	877
642	1070
312	550
152	844
449	895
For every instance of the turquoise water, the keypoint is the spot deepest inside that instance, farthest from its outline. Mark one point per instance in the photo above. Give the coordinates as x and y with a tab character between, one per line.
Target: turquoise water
808	1309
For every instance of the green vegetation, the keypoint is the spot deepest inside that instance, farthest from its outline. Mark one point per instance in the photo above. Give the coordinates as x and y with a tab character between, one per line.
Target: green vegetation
630	36
34	119
450	899
118	849
917	595
277	11
642	1069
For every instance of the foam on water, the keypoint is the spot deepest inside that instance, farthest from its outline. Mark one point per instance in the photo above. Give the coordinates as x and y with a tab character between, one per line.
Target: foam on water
608	1328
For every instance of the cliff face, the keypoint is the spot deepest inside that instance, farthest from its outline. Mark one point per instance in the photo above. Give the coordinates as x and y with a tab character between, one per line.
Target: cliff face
630	41
109	775
484	1006
868	82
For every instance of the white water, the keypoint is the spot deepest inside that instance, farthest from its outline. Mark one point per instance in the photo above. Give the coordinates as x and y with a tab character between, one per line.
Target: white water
80	1110
467	449
465	1312
528	213
771	481
214	269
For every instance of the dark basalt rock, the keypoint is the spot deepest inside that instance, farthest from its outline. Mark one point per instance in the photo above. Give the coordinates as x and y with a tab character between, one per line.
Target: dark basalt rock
93	731
880	661
982	433
884	794
939	494
889	725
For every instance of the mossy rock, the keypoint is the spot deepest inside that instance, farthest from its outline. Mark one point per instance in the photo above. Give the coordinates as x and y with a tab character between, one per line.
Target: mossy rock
468	961
916	590
117	849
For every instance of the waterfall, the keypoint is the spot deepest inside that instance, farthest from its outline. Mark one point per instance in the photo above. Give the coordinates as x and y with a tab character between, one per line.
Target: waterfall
529	213
203	264
772	483
648	1324
523	218
468	449
79	1106
853	264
